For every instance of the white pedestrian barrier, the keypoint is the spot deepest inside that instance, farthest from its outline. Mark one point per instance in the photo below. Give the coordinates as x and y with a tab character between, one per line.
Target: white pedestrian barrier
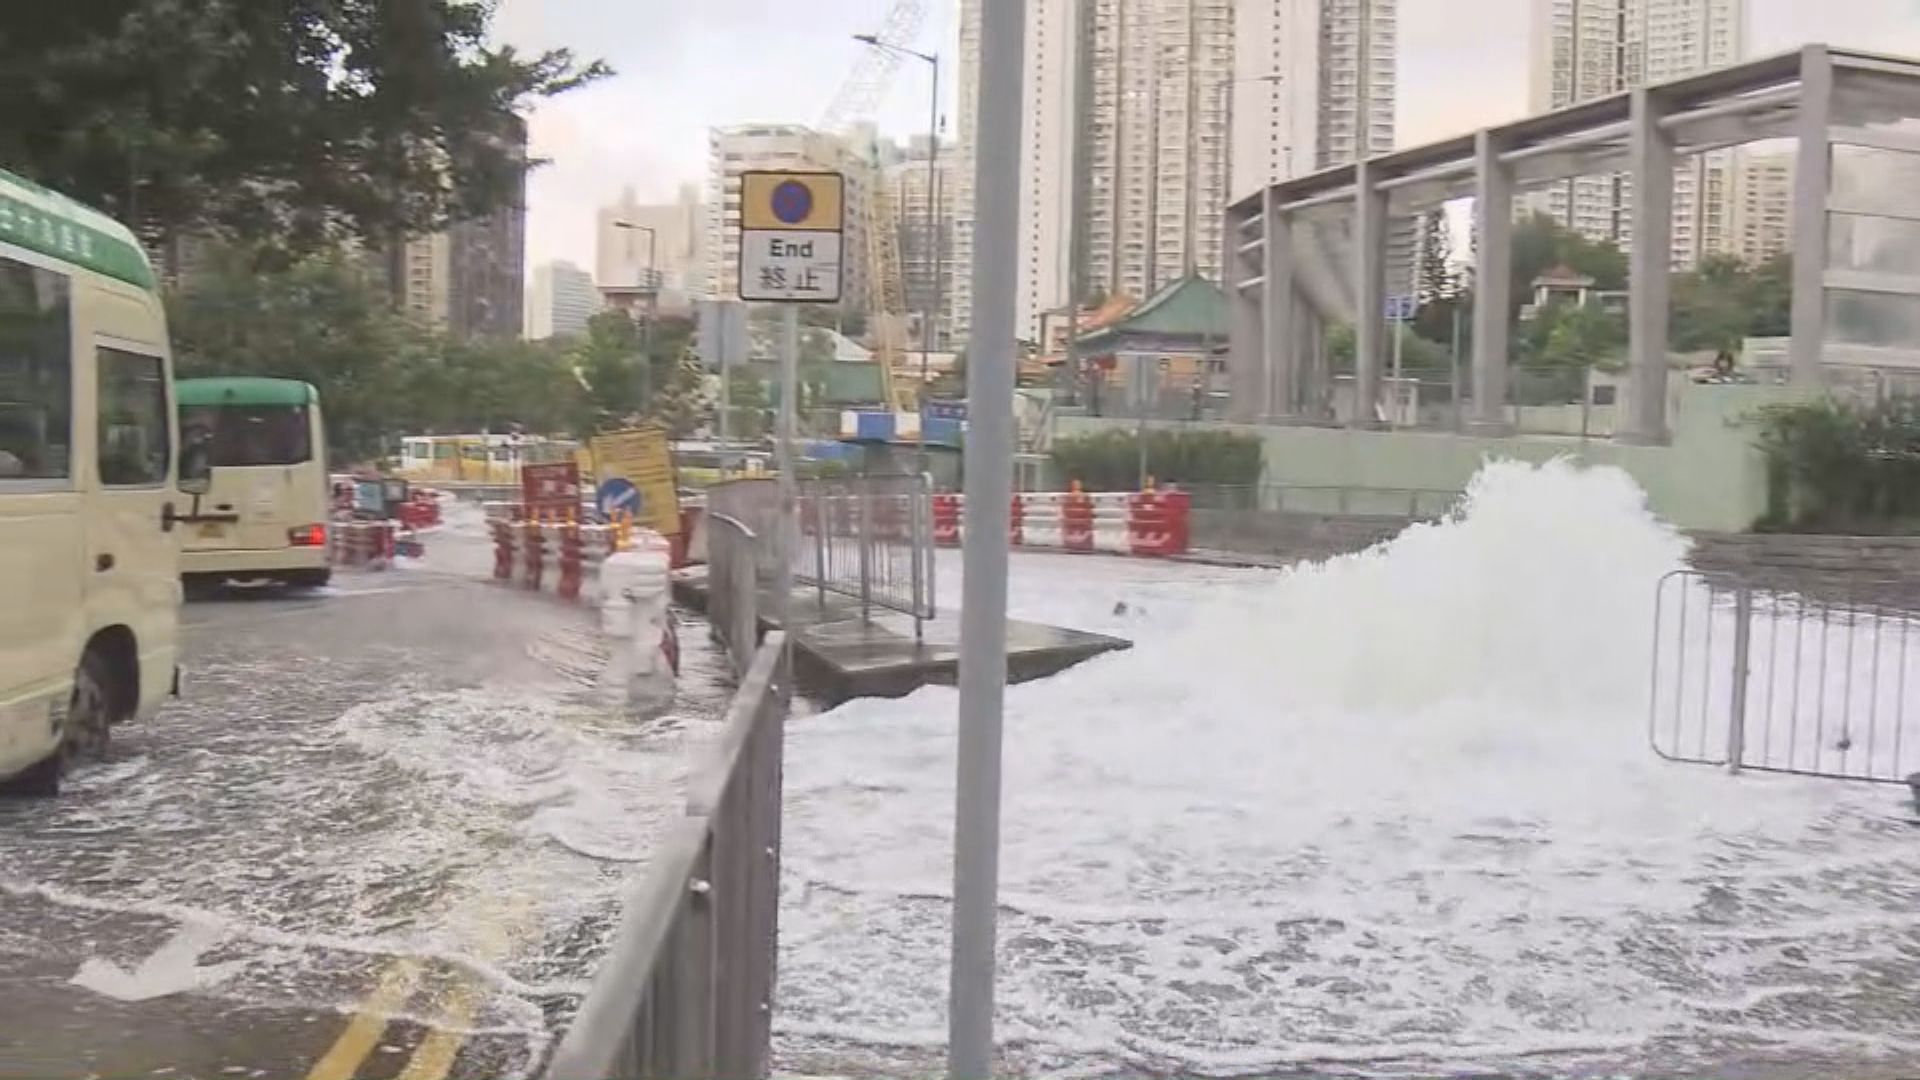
634	592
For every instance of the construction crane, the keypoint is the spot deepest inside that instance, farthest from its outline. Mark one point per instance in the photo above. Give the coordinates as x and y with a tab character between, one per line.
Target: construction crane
855	103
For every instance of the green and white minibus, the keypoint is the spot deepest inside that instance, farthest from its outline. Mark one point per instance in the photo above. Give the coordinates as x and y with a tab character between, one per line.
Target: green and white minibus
93	485
265	516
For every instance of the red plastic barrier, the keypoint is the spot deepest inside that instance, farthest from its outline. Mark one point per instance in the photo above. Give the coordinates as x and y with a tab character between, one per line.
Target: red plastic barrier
502	550
572	558
1076	521
1159	522
420	511
946	519
535	554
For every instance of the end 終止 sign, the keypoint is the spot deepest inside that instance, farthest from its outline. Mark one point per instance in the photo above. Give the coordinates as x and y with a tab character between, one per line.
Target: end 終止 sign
791	227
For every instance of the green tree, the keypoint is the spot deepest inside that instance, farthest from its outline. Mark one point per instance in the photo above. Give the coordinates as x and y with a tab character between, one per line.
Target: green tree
748	404
683	405
1722	301
1540	244
613	373
289	123
1434	279
320	320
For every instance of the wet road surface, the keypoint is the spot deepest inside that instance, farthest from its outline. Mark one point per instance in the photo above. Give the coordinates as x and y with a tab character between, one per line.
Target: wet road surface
383	834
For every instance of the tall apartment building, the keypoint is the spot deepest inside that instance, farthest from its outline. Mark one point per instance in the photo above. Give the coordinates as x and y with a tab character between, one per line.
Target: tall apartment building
1583	49
1123	152
1315	83
427	268
1762	213
1154	115
470	279
639	243
1048	152
487	283
927	262
562	300
754	147
966	127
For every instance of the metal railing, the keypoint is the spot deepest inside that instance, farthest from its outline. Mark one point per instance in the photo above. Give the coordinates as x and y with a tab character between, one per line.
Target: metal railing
866	538
755	504
1780	682
869	538
686	990
733	587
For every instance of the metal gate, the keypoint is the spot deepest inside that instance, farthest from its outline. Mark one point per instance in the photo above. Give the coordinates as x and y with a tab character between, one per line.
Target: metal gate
869	538
1779	682
864	538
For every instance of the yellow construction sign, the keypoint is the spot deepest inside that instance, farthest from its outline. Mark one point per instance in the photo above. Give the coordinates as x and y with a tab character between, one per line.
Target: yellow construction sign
633	472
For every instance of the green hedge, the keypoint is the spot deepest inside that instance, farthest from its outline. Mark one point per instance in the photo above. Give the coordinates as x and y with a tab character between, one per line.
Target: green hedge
1836	468
1110	460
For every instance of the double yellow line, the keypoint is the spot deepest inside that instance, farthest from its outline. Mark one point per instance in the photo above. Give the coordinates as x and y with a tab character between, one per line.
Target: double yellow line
434	1057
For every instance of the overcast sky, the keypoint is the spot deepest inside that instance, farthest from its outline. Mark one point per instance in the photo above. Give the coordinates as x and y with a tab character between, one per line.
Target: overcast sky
686	65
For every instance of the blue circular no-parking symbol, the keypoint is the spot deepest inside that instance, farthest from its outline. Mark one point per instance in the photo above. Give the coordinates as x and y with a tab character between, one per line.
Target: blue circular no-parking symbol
792	201
618	496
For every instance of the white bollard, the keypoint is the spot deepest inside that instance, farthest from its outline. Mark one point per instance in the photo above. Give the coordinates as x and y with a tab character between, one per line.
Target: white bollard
634	591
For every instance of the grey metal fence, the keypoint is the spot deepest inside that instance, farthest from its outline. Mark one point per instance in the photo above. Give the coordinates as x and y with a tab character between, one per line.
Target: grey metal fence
755	504
686	990
866	538
869	538
1779	682
733	587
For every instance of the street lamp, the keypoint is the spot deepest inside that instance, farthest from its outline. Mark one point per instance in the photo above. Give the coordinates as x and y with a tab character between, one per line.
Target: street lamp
653	293
932	303
1225	89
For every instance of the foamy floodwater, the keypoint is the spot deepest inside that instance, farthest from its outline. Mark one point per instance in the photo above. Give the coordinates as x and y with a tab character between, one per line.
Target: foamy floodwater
422	771
1393	813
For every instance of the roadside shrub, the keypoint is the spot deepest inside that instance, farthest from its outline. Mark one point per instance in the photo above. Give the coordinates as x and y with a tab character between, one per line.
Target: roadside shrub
1837	468
1110	460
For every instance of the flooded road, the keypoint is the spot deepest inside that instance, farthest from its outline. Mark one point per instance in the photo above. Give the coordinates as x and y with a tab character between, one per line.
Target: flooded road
401	797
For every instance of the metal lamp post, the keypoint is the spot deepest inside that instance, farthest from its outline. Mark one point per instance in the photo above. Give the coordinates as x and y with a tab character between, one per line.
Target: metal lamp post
931	307
653	287
1225	90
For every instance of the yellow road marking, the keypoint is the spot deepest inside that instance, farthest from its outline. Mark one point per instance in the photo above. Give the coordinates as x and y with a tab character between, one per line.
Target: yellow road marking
396	985
433	1058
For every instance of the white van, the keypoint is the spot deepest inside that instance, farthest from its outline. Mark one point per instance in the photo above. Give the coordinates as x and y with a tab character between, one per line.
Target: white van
266	513
90	502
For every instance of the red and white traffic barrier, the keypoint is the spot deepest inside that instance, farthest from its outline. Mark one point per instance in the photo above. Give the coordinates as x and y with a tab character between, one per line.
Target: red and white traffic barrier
371	544
1147	523
621	570
562	557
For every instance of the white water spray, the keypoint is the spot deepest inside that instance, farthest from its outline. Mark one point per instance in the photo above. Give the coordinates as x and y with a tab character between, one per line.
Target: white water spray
1393	808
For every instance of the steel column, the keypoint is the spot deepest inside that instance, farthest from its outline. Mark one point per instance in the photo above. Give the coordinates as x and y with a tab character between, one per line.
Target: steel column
1493	288
1649	266
1812	182
1246	356
1278	349
1369	292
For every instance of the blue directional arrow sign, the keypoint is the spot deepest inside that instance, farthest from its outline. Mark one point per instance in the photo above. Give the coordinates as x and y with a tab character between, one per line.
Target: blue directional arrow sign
618	496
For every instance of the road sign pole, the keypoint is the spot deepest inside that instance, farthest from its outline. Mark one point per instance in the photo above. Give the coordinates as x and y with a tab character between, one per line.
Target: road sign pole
726	391
789	483
989	491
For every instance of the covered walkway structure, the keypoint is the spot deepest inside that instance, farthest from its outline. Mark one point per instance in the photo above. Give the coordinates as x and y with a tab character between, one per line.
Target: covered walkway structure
1311	252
